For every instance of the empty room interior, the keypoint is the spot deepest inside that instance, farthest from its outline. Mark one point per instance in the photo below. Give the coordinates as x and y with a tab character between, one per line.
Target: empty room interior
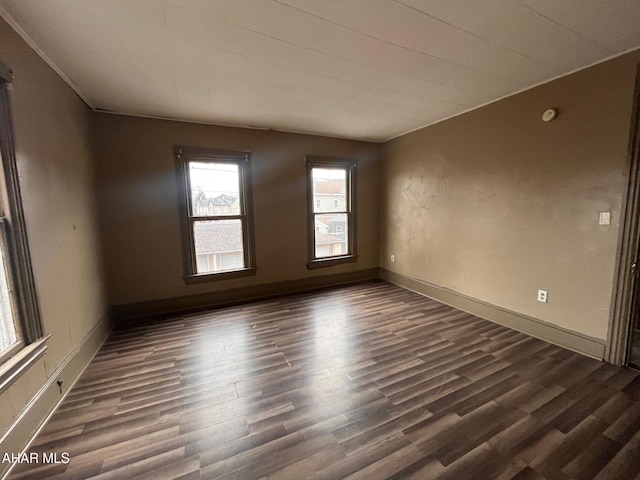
319	239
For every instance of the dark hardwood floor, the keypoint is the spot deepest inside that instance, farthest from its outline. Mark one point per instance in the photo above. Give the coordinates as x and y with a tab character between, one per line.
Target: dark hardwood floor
635	348
364	382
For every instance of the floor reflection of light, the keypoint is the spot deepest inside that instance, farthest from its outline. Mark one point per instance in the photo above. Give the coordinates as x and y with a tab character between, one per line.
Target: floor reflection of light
333	350
220	366
222	353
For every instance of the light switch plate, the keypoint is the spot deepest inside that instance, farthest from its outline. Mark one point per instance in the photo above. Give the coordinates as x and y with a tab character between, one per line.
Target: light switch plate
605	218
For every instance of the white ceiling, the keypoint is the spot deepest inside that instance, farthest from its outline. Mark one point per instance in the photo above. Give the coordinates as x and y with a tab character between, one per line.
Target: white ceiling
362	69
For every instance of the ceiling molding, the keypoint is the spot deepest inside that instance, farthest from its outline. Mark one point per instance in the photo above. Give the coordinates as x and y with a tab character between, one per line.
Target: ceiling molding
612	57
34	46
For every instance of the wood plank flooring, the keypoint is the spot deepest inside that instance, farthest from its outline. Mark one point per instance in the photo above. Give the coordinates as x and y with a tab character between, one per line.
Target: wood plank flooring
363	382
635	348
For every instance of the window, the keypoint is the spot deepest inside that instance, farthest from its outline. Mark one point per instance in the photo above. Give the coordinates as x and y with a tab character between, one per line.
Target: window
8	327
216	210
331	224
22	341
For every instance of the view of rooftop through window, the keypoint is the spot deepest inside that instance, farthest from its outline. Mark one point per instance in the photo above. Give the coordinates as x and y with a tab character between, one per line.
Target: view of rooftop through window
215	202
329	208
215	194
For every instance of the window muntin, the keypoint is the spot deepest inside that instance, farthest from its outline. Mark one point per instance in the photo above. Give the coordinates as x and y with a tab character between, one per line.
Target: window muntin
331	185
217	221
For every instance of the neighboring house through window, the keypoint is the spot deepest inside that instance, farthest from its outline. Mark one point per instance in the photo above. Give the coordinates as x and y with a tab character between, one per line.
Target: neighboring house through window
331	224
216	210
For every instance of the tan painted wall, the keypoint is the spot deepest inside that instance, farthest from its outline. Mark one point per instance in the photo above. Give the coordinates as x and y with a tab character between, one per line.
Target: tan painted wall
493	204
139	203
496	204
52	128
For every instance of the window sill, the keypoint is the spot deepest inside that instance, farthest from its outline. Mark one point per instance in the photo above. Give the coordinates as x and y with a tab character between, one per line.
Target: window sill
331	261
18	364
215	277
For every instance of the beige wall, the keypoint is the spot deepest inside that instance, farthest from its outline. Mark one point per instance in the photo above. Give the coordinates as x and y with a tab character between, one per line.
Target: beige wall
496	204
52	129
493	204
139	205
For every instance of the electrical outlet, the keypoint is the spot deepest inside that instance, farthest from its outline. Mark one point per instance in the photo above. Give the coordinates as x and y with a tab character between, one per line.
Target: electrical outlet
393	258
542	296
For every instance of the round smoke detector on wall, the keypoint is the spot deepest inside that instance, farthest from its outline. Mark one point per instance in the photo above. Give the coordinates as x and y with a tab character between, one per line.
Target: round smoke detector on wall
549	114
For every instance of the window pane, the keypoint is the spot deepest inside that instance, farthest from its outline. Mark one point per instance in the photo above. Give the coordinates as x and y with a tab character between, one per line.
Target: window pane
329	189
7	326
331	235
218	245
215	188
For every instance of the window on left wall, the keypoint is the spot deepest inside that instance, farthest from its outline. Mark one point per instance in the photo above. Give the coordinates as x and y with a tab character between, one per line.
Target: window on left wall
10	337
9	329
22	339
217	215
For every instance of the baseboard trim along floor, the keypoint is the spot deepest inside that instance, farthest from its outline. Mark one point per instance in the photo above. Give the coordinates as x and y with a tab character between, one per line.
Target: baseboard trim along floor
568	339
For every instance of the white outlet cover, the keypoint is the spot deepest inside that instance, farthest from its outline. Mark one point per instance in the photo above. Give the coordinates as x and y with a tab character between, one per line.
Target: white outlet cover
605	218
542	296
